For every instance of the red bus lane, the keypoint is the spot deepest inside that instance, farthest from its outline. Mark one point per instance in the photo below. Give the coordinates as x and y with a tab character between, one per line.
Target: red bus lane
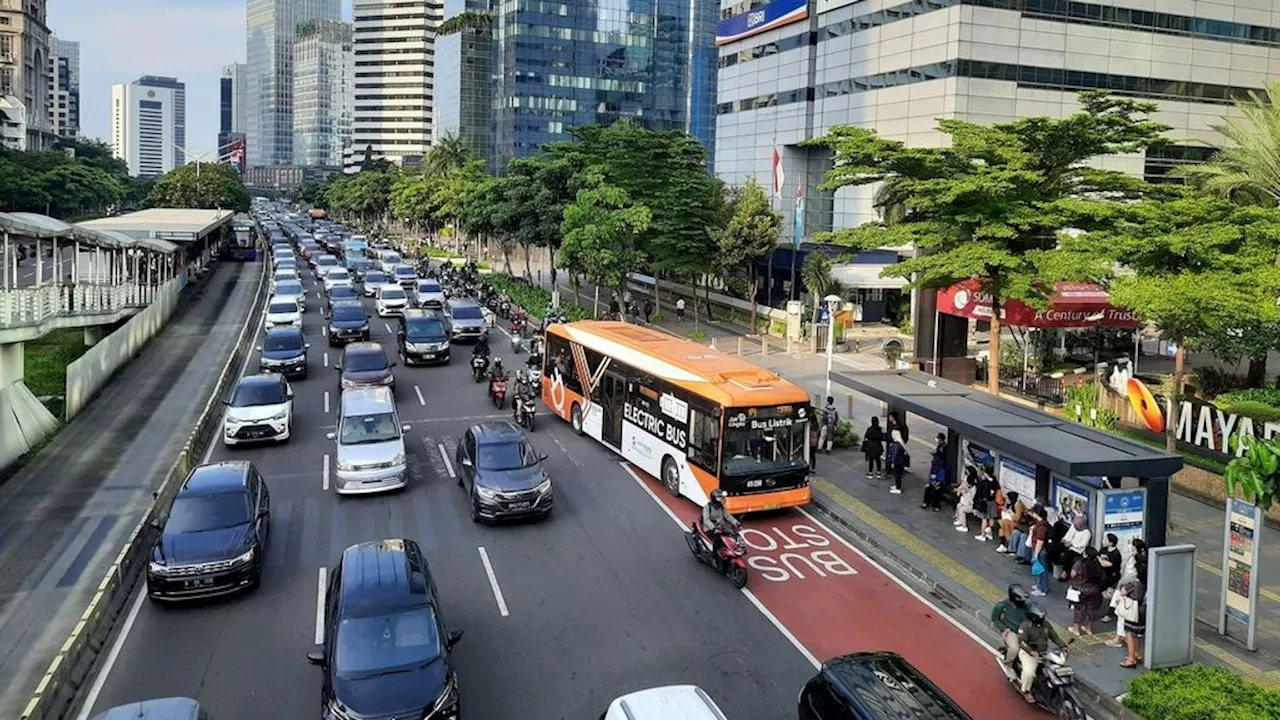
833	601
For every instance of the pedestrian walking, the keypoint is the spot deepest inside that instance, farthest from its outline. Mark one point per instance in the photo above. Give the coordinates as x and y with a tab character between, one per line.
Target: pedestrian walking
615	311
814	444
680	309
1039	553
898	460
936	486
873	449
634	309
830	421
1084	592
648	310
626	300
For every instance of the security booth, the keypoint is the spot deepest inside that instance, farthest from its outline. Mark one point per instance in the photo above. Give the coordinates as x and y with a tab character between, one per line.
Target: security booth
1122	486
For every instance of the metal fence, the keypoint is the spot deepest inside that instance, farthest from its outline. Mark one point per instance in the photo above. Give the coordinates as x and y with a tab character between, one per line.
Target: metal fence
1028	384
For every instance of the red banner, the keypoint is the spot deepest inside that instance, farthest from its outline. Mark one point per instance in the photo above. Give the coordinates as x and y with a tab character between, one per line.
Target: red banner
1073	305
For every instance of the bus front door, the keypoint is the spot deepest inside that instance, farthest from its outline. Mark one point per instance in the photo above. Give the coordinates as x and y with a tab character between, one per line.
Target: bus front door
615	394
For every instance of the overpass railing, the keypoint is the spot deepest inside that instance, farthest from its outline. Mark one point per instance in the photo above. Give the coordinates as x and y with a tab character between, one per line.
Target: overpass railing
26	307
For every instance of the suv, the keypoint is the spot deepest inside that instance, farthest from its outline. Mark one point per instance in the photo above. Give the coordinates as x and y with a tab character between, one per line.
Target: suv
365	364
429	294
874	686
406	276
370	443
688	702
423	337
466	320
348	322
211	539
284	350
260	409
386	645
502	472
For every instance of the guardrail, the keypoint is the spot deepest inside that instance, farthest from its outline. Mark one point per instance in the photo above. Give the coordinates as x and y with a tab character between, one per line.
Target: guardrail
24	307
56	693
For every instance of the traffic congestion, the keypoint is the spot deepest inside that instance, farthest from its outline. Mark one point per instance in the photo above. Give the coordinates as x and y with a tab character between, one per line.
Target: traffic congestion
424	500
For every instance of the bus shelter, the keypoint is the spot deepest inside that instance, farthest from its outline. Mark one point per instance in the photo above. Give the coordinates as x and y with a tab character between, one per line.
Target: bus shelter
1122	486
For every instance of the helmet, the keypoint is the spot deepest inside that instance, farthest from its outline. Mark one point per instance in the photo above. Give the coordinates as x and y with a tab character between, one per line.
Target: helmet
1036	614
717	496
1017	594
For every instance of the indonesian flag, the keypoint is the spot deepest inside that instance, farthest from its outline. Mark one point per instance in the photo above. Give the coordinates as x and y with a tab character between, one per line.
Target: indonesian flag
778	177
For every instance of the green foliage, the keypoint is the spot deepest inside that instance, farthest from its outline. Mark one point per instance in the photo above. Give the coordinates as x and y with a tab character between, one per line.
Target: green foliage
1213	381
602	230
697	335
200	185
1256	474
82	179
1257	411
1199	692
533	299
1080	403
364	196
1262	396
750	234
468	20
1247	169
845	436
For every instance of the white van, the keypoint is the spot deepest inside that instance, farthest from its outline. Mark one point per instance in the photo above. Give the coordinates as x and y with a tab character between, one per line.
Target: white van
673	702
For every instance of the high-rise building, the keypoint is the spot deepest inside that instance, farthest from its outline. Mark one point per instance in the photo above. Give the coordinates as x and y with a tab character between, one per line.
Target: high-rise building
24	66
323	69
269	72
394	78
149	125
64	90
233	97
464	54
593	63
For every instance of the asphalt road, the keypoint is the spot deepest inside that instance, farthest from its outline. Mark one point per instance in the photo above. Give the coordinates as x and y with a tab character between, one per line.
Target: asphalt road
26	276
601	599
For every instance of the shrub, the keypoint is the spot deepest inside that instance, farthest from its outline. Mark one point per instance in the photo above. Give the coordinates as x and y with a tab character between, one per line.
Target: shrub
1199	692
657	317
1213	382
845	436
697	335
533	299
1256	411
1080	403
1264	396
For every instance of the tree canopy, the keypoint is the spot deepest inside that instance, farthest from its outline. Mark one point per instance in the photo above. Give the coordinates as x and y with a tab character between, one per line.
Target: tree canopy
200	185
78	180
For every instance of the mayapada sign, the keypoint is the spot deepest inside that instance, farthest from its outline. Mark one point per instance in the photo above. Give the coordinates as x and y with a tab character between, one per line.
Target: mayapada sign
1202	425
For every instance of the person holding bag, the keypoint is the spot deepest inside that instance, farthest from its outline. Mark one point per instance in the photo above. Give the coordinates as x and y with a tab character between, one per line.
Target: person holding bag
1085	592
898	461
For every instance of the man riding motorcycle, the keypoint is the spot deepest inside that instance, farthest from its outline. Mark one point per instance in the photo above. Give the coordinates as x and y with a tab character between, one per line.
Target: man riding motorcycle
1034	636
717	521
1007	616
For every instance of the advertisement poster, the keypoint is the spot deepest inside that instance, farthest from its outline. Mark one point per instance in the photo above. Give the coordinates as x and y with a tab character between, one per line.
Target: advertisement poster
1242	525
765	17
1068	498
1017	476
1124	515
976	458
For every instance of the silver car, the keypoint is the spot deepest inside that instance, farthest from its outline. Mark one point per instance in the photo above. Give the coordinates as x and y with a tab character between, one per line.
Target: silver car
466	320
429	294
370	455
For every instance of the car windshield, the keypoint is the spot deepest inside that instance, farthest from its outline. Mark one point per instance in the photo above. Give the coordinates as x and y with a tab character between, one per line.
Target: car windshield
428	287
364	361
275	343
361	429
349	313
201	513
393	294
424	329
289	288
766	446
391	258
467	312
258	393
375	278
327	260
405	271
282	307
506	456
342	292
386	643
338	275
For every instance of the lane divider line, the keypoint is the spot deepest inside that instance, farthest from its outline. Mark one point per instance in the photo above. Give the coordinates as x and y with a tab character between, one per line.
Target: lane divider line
444	455
326	359
388	327
326	402
101	680
493	582
421	400
324	483
321	586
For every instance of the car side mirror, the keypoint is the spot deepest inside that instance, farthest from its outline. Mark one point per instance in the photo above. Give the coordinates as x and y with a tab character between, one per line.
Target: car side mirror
330	436
337	366
226	402
307	346
263	513
542	456
157	523
316	657
466	462
258	348
452	638
400	334
406	427
391	364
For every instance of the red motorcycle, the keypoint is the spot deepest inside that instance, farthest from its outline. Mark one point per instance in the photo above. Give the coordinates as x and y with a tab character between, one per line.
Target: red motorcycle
729	559
498	391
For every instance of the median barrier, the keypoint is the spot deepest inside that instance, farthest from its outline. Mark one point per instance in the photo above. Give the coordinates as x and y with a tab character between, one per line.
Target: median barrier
72	667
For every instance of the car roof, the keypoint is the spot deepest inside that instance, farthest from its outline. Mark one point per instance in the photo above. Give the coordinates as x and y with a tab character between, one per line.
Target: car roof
410	313
367	401
360	348
497	431
348	304
170	708
284	332
463	302
673	702
383	576
887	682
283	298
217	478
265	378
390	288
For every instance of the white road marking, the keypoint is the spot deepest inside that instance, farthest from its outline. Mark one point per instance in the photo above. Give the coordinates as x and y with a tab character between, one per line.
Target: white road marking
324	476
321	586
493	582
447	465
388	327
326	402
92	698
421	400
326	359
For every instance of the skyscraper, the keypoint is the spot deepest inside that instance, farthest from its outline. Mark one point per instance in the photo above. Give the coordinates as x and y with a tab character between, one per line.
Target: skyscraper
269	38
394	77
149	124
233	93
64	89
24	67
464	54
322	89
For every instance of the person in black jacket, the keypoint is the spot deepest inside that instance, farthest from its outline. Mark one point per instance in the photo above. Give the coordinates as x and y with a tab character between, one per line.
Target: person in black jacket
873	449
936	485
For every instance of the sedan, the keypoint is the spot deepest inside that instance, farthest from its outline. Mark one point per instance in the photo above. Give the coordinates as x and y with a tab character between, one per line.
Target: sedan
503	473
284	275
336	277
260	409
292	290
364	364
284	350
324	264
342	293
212	539
406	276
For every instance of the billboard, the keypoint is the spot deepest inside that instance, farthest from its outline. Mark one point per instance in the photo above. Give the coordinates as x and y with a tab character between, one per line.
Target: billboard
236	151
771	15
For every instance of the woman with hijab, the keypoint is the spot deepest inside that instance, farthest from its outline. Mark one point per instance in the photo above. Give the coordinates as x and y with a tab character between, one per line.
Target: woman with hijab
1085	592
1074	542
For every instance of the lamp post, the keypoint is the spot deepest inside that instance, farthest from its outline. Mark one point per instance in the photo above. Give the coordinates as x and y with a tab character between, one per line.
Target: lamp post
833	303
216	154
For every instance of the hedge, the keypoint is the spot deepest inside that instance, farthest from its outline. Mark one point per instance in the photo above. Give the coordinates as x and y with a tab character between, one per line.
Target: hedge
1200	692
534	299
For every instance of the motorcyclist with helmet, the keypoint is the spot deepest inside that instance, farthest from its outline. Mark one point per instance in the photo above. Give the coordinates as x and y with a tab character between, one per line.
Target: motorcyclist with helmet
718	521
1007	616
481	348
1034	636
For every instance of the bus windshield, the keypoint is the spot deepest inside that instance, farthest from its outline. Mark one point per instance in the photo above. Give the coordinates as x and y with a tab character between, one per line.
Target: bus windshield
768	443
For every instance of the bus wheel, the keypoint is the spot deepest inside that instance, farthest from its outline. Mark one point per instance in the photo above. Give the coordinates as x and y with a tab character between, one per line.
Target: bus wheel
670	476
575	418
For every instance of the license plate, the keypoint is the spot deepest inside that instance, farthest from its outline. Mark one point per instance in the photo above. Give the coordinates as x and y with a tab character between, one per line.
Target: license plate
193	584
1064	671
520	506
774	506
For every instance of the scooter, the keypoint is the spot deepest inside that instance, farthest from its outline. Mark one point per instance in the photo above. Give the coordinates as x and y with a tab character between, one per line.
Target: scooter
498	392
1054	687
730	561
479	367
504	308
523	409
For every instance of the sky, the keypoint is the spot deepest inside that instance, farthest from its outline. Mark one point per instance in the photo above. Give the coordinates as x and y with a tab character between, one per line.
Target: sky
122	40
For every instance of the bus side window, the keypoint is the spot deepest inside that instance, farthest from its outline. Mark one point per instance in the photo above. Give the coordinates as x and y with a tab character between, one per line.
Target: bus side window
704	440
558	356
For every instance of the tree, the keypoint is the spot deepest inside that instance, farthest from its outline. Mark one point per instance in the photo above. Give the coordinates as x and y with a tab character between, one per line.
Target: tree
986	206
602	229
816	276
750	234
364	196
1256	474
448	154
200	185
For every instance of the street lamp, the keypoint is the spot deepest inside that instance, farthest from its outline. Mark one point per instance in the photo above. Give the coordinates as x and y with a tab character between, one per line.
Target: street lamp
833	303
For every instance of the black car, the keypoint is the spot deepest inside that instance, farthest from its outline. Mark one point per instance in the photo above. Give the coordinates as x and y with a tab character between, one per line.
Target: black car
386	649
874	686
284	351
365	364
503	473
213	536
341	293
423	337
348	322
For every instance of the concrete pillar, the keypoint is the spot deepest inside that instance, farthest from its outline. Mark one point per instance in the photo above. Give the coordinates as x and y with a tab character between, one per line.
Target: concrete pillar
39	263
24	421
92	334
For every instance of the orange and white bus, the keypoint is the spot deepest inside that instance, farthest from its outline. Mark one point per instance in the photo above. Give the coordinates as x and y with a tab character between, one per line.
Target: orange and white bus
693	417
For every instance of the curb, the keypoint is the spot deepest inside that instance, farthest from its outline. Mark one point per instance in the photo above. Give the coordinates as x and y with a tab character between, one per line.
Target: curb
1100	705
72	667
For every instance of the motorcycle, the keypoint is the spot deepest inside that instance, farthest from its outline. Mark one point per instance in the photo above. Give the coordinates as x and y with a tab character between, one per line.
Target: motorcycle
504	308
522	410
1054	687
731	558
479	366
498	391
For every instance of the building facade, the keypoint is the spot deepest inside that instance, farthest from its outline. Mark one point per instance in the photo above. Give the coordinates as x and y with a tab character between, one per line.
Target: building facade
25	71
270	27
464	86
233	99
577	63
13	123
323	68
789	70
148	125
394	84
64	90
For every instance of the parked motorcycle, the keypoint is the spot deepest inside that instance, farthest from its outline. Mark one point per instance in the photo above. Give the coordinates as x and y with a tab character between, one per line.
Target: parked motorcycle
523	410
498	391
479	367
731	558
1054	687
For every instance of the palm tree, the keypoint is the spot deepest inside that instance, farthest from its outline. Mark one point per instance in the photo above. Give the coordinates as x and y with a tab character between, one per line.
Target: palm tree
816	274
449	154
